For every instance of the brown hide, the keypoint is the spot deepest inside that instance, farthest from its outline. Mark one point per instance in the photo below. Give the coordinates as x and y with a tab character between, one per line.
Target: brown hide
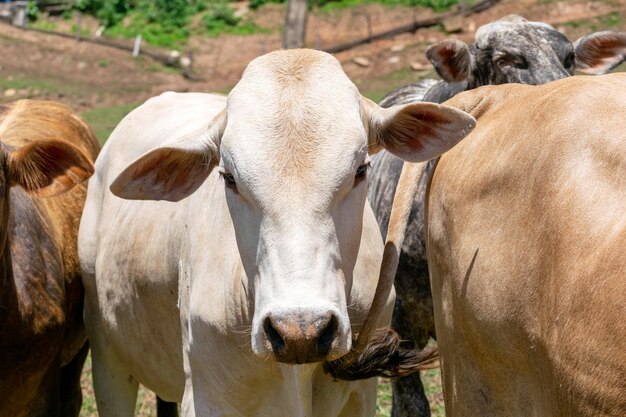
42	340
526	248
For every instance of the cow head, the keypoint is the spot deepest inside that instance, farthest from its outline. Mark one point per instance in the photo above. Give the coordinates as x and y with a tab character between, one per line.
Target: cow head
293	147
514	50
43	168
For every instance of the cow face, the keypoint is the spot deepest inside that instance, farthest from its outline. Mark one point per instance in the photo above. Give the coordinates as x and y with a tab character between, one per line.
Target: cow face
293	148
514	50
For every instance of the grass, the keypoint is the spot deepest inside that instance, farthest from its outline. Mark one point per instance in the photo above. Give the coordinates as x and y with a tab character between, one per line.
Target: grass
22	83
104	119
432	386
611	20
376	88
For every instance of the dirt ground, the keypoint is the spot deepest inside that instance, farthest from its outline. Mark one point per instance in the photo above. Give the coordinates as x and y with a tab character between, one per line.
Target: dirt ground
89	76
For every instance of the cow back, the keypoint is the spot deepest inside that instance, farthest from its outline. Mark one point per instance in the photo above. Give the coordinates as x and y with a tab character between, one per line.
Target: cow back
525	246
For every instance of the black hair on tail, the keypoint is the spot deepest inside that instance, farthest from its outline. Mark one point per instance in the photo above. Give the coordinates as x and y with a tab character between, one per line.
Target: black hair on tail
384	356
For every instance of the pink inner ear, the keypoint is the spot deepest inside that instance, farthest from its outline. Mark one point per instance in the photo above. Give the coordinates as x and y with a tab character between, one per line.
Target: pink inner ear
411	126
599	53
48	168
422	131
451	60
164	174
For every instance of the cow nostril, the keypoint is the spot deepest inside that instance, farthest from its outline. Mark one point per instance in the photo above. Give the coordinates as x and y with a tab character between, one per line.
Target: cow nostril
328	336
275	339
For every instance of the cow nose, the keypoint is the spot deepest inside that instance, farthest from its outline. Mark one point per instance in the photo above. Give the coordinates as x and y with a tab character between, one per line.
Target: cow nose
301	338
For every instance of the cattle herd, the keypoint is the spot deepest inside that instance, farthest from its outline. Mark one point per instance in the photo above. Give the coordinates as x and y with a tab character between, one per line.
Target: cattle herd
224	252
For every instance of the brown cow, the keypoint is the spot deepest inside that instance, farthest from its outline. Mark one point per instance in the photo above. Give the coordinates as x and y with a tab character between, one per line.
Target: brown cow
526	238
45	150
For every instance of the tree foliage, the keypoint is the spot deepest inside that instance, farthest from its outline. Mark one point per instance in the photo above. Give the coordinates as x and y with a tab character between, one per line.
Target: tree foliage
160	22
168	13
433	4
167	22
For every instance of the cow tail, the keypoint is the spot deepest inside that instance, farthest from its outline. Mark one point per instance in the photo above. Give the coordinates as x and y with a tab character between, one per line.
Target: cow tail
378	352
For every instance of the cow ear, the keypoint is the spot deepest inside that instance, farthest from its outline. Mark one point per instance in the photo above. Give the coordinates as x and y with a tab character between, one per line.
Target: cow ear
47	168
452	60
416	132
600	52
175	170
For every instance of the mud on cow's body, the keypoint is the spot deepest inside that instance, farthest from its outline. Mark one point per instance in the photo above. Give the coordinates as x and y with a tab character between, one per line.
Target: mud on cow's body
45	150
263	259
510	50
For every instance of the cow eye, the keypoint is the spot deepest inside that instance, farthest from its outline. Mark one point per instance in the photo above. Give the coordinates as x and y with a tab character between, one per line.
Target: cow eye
361	171
570	61
229	180
508	60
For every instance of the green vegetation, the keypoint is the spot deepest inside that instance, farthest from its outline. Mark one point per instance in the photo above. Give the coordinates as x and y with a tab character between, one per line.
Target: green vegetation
169	23
375	88
598	23
383	399
220	18
432	387
34	86
32	11
43	24
160	22
438	5
104	119
612	19
165	22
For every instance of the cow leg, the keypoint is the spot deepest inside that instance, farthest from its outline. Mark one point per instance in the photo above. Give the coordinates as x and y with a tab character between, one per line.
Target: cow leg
46	401
414	321
409	399
71	394
115	389
166	409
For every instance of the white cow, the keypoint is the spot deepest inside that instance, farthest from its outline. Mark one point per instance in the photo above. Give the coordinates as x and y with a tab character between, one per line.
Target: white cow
262	255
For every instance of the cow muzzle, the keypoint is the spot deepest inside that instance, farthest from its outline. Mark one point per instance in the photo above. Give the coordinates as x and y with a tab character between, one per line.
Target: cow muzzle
303	337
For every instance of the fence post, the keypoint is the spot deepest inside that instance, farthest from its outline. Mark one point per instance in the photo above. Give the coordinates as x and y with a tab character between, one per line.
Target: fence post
137	46
294	32
79	21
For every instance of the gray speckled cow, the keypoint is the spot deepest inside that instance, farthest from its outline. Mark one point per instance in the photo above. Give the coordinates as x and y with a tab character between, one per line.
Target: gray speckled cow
510	50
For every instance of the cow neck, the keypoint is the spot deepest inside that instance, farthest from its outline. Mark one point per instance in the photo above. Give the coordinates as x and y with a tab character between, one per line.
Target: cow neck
31	263
7	286
409	181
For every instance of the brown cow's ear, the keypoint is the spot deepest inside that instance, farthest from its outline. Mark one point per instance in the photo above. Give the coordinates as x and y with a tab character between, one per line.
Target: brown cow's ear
173	171
48	167
600	52
451	58
416	132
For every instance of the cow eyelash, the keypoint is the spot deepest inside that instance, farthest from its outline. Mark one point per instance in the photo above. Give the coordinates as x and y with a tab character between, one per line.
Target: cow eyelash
570	60
509	60
361	171
229	179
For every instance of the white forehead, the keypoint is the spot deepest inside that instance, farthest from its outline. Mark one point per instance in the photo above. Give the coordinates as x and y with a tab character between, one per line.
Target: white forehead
508	24
294	112
299	85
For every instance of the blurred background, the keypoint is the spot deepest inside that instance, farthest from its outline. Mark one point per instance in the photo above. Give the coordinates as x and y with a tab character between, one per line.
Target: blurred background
105	57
